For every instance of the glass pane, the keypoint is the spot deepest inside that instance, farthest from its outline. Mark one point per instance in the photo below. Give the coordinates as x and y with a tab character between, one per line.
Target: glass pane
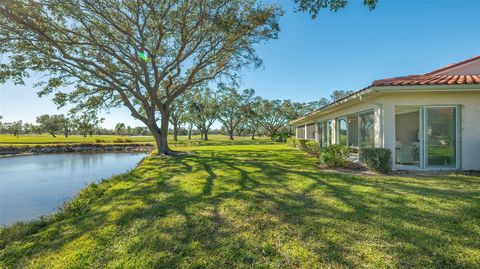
342	132
301	132
320	134
325	133
330	132
311	131
441	136
352	131
366	130
407	135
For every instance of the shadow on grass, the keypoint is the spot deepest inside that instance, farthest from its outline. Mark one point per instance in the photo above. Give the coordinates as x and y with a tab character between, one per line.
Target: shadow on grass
260	206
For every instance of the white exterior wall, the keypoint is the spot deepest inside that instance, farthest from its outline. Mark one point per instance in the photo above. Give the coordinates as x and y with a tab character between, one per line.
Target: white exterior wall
384	111
464	69
469	103
359	107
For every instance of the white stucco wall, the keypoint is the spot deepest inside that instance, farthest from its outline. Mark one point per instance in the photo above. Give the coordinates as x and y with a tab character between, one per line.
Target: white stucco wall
469	103
464	69
354	108
383	105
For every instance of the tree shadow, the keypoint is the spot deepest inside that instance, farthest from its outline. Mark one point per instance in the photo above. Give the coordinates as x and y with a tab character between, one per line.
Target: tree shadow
266	207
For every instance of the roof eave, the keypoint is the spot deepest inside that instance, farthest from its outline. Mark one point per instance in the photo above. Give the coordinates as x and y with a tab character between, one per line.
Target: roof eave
388	89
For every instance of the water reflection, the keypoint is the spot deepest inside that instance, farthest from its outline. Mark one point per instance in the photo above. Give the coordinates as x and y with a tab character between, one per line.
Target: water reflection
31	186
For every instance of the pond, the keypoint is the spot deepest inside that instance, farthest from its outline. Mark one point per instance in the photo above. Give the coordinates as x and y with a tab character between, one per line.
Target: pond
35	185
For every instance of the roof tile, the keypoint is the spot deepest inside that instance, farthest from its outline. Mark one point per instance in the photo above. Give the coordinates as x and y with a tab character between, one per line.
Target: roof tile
428	80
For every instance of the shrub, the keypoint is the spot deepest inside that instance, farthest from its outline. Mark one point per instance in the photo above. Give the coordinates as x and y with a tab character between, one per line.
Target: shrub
378	159
313	148
98	140
334	155
302	144
279	137
292	142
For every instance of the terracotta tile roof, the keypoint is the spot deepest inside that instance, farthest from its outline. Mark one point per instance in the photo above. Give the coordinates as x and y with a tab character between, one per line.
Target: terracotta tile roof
433	78
428	80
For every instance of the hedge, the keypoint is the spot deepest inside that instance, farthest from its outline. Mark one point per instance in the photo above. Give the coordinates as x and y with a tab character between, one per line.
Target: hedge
378	159
279	137
302	144
334	155
313	148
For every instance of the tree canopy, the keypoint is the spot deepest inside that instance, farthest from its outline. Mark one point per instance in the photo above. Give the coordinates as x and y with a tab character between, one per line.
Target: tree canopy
137	54
233	107
314	6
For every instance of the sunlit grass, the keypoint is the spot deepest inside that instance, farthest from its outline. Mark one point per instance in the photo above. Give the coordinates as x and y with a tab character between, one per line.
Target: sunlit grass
229	205
32	140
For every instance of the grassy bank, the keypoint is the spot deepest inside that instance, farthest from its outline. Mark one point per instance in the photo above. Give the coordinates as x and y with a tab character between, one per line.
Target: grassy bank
255	206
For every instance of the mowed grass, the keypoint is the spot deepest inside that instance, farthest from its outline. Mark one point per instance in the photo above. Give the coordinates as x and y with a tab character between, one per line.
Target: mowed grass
44	139
239	205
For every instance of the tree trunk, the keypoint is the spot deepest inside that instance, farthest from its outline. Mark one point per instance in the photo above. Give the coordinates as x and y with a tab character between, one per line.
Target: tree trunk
201	134
175	132
161	138
53	135
253	135
156	133
205	135
190	132
230	134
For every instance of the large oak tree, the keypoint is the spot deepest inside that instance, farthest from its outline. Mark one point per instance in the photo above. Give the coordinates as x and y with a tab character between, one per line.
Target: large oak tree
233	107
141	54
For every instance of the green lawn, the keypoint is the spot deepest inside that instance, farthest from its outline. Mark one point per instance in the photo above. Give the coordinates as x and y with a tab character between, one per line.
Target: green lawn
241	205
25	140
33	140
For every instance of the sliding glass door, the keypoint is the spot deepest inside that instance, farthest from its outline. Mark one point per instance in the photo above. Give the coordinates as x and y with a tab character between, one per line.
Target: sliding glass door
427	136
441	137
408	135
366	134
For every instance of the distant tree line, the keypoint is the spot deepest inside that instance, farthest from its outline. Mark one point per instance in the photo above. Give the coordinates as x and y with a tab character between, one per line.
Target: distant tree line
240	113
85	124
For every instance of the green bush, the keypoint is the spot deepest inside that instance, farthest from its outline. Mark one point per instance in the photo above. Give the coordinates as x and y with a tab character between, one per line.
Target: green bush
292	142
302	144
334	155
279	137
378	159
313	148
98	140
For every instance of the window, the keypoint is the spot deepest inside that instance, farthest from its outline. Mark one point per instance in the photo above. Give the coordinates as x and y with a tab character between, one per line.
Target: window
311	131
329	132
301	132
321	132
426	136
366	135
407	135
342	132
440	136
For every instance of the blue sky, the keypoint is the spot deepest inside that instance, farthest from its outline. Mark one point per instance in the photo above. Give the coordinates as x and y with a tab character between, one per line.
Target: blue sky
346	50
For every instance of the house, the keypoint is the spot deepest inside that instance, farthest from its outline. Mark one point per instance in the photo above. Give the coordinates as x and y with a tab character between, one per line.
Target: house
429	121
